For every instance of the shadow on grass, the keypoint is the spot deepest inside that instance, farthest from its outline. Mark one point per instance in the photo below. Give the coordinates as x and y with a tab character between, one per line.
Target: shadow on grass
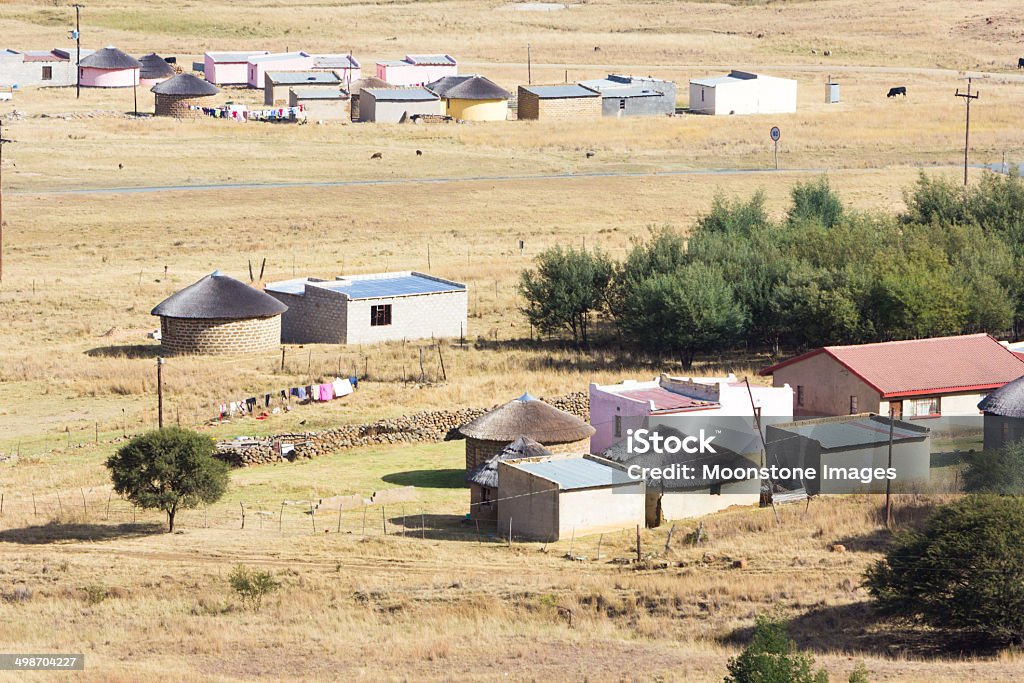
855	629
429	479
442	528
125	351
55	532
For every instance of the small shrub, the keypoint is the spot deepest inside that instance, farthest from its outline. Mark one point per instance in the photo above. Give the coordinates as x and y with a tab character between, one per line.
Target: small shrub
859	674
95	594
252	585
772	657
18	594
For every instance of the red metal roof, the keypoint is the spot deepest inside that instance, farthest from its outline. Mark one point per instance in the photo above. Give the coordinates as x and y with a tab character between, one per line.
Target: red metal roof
664	399
973	362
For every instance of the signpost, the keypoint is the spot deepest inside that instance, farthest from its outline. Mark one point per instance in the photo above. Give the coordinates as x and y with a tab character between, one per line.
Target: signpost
775	134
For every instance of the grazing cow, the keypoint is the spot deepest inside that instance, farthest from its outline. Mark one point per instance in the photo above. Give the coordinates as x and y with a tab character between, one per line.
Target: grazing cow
590	154
901	90
1020	62
376	155
419	152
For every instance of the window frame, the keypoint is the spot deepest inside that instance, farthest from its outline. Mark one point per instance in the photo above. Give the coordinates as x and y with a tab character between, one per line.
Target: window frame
47	73
380	315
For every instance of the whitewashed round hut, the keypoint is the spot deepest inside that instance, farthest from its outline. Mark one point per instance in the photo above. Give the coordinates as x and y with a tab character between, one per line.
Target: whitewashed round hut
489	434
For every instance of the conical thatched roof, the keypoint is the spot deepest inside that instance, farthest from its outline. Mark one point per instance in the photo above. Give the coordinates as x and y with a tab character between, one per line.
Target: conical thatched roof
529	417
221	297
523	447
110	58
185	85
1007	401
468	88
154	66
367	82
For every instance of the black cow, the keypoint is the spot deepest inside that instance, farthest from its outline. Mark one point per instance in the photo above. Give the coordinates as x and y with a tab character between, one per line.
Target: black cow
901	90
1020	62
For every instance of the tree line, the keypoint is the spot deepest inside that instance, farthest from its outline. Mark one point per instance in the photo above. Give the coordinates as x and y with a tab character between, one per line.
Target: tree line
823	274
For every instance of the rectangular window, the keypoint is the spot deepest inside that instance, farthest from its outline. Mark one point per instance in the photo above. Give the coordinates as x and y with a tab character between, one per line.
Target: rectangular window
622	103
47	73
380	315
618	425
799	394
853	405
922	407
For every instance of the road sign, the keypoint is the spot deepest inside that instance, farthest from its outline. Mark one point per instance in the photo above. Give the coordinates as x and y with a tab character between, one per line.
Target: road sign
775	133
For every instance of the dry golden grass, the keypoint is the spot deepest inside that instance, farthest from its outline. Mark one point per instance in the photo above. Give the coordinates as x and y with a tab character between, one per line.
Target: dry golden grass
82	271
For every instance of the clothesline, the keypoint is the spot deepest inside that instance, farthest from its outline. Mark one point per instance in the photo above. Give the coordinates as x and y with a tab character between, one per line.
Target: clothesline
241	115
327	391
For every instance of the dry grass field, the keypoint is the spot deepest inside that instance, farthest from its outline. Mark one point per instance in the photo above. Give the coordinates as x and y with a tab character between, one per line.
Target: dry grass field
86	258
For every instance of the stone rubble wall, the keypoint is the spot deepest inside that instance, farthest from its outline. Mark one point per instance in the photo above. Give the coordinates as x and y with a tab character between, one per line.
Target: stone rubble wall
424	427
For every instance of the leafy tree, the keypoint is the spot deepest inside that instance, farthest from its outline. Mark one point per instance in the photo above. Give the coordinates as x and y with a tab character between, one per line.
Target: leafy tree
567	286
683	313
772	657
964	571
736	216
936	200
815	201
998	471
168	469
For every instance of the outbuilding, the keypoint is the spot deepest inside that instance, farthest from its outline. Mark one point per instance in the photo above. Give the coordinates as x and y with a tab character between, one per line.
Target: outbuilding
278	83
858	442
417	69
109	68
179	96
219	315
634	95
483	480
377	307
915	378
471	98
1004	415
526	416
155	69
396	105
546	500
356	87
282	61
42	68
229	68
320	104
558	102
742	92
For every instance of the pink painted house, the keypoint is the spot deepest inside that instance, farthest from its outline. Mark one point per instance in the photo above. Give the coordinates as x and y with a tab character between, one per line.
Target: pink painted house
109	68
617	408
228	68
417	69
281	61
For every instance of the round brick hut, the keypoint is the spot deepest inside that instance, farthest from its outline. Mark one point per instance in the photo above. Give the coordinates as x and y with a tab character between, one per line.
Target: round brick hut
177	96
219	315
557	430
109	68
155	69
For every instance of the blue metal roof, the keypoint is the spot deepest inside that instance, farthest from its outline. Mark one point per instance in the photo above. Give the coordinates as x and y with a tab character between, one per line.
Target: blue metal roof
303	77
554	92
864	431
574	473
370	288
401	94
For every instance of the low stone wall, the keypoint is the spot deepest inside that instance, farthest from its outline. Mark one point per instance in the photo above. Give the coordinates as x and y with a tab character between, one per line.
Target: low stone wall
424	427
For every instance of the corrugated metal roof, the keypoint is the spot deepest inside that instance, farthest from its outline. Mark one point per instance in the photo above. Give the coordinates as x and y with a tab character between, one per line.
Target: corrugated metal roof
401	94
277	57
303	78
925	366
42	56
335	62
430	60
625	86
554	92
234	57
370	288
573	473
863	431
664	399
319	94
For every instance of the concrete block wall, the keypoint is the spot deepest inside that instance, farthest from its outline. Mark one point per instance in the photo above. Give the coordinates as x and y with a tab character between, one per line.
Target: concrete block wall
569	108
439	315
217	337
177	106
317	317
14	70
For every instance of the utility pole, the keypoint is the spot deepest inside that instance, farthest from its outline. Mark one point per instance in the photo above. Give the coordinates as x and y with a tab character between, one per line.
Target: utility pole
159	393
3	141
529	66
78	49
967	129
888	481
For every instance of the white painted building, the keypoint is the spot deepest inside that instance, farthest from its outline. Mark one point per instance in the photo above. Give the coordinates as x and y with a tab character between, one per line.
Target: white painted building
742	92
359	309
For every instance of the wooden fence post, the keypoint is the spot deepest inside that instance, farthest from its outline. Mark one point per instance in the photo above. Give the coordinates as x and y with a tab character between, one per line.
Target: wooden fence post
384	520
242	505
638	549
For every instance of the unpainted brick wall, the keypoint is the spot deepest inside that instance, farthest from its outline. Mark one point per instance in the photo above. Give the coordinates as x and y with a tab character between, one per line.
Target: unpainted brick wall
215	336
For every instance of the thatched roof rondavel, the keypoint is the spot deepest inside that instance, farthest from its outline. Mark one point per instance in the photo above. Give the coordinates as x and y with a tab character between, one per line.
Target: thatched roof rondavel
529	417
486	475
1006	401
219	297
